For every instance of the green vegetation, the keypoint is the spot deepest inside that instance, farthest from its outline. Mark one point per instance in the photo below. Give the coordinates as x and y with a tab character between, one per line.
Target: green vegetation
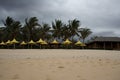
32	30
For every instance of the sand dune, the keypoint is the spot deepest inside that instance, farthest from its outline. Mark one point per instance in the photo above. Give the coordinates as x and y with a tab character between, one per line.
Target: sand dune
59	64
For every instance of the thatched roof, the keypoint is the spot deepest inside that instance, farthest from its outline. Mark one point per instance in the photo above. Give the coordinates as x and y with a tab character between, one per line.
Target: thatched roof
107	39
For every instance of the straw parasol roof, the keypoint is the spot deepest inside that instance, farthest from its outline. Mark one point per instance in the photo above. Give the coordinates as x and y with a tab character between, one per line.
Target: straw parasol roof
31	42
23	43
8	42
40	41
14	41
83	44
55	42
2	43
44	43
67	41
78	43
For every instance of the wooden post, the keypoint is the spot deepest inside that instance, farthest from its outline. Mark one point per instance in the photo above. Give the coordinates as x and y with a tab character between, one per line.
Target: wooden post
104	46
14	45
31	46
95	45
111	45
117	45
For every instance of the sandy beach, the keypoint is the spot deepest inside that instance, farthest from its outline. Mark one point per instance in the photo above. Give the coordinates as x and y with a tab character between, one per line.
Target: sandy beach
62	64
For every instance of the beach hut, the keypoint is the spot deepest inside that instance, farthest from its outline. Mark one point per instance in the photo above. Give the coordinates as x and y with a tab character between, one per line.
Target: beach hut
31	42
14	41
110	43
40	41
23	43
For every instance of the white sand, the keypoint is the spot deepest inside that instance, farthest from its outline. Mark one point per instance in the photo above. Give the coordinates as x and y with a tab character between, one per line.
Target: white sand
36	64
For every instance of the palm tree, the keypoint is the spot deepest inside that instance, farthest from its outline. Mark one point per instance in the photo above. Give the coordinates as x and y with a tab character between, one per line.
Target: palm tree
65	32
44	31
16	29
84	33
57	27
8	23
12	28
25	33
30	26
73	26
2	33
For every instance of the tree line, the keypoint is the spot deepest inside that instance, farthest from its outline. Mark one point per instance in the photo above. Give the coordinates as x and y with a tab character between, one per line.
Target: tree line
33	30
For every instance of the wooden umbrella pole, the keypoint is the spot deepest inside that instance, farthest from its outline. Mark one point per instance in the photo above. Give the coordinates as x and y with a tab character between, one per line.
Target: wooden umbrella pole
8	46
40	46
14	45
23	46
31	46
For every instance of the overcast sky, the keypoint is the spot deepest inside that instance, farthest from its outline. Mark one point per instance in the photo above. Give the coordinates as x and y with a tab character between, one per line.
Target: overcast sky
101	16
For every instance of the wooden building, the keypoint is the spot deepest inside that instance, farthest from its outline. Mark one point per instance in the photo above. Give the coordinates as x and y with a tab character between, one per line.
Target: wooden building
105	43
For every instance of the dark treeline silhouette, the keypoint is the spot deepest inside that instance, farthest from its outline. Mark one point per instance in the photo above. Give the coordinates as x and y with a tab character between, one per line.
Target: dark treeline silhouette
32	30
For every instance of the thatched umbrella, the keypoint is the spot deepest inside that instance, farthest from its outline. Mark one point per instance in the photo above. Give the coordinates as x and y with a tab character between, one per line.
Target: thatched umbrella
31	42
67	42
23	43
55	42
14	41
2	43
40	41
78	43
83	45
44	43
8	43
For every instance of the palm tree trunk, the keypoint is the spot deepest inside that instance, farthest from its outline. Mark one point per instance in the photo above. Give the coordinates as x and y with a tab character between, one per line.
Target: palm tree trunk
83	40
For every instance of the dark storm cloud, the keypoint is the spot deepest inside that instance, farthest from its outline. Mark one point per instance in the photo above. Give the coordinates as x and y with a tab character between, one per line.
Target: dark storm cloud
15	4
102	16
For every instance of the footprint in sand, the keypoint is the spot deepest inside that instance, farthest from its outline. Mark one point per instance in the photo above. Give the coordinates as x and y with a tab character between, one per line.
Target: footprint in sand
16	76
28	58
80	77
113	67
60	66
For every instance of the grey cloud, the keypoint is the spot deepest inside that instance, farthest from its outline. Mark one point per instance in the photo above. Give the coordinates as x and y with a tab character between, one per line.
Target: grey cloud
98	15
